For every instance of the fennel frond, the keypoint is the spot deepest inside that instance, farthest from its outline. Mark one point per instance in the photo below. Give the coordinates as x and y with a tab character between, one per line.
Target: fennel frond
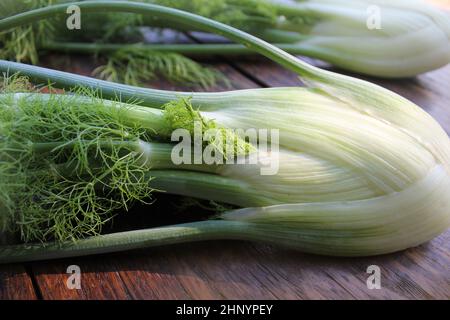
134	67
68	164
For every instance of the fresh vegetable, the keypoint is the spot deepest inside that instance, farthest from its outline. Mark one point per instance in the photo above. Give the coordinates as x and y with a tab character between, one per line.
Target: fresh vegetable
391	39
363	171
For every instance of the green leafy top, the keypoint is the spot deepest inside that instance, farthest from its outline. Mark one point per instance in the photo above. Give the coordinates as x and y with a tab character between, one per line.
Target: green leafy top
65	166
135	66
181	115
22	43
242	14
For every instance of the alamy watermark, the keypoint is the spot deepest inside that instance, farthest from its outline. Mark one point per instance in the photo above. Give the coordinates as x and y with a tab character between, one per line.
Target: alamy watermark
73	22
374	280
373	21
74	280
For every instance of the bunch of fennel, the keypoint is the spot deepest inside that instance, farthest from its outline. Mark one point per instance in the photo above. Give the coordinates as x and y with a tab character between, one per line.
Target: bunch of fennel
362	170
391	39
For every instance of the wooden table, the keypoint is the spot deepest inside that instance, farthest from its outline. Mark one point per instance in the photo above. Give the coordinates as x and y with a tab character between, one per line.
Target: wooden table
242	270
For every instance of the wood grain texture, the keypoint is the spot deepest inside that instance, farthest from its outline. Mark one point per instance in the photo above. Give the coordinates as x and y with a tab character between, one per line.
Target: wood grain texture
99	280
15	283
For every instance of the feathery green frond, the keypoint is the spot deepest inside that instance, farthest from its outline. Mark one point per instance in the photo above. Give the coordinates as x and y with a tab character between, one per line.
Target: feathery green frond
181	115
134	66
242	14
22	43
15	83
68	164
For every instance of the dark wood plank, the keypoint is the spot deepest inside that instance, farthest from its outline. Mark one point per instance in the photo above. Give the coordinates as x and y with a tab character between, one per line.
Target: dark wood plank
15	283
99	279
429	91
227	270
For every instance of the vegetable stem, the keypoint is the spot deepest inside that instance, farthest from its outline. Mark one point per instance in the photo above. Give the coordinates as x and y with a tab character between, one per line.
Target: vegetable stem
187	49
203	185
190	232
148	96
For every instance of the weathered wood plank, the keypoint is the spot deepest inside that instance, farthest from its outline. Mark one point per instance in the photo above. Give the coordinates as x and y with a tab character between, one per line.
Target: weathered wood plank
15	283
99	279
227	270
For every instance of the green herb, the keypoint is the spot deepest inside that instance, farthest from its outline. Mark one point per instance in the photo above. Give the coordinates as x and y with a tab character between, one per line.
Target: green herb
134	67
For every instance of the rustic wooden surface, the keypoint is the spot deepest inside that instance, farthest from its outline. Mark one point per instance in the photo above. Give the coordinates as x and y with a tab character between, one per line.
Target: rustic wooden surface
242	270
